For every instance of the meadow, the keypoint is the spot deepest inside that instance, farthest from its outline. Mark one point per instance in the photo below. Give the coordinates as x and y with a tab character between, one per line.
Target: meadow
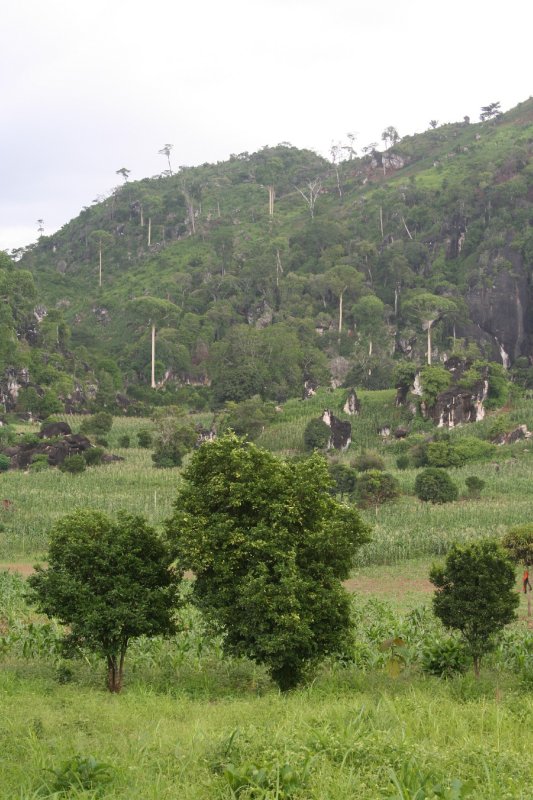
193	723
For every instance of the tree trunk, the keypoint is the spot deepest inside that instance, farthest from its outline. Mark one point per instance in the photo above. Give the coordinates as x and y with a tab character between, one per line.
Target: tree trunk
340	313
477	666
149	231
100	265
114	674
271	198
153	356
370	347
381	220
429	343
142	216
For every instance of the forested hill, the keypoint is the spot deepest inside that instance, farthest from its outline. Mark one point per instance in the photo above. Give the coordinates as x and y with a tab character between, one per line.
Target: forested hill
280	267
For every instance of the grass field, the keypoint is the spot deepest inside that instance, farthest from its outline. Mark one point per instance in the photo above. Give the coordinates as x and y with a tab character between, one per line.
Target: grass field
192	723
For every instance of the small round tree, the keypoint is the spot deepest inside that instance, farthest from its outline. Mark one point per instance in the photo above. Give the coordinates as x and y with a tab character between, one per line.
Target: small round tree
475	594
367	461
434	485
518	542
344	479
316	435
110	582
375	487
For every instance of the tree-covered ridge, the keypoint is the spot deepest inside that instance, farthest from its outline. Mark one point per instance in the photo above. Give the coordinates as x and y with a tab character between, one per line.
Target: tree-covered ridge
255	275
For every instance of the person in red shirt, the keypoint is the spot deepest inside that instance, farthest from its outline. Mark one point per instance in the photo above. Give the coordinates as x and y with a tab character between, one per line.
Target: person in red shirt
525	580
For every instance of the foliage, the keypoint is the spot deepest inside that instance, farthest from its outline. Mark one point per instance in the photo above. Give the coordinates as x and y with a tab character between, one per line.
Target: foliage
375	487
5	461
172	442
403	462
518	542
434	379
434	485
125	441
475	594
247	418
368	460
109	581
99	424
344	479
444	657
93	456
73	464
144	438
316	435
474	486
79	773
253	527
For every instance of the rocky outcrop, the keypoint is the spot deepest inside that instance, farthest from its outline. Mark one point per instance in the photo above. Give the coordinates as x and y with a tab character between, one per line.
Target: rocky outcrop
53	429
22	455
341	431
352	405
10	385
310	388
518	434
456	406
499	305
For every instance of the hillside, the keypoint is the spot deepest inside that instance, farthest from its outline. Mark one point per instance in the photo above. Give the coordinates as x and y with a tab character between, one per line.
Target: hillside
255	275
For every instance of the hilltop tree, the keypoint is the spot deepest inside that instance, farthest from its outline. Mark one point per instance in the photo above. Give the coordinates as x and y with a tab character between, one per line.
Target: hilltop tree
152	311
475	594
109	582
492	111
101	240
427	309
165	151
340	280
269	546
124	173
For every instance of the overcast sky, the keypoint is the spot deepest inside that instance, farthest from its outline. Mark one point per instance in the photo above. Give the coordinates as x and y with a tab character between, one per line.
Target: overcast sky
90	86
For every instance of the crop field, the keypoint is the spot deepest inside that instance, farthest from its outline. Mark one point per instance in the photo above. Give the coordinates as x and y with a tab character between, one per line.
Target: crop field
194	723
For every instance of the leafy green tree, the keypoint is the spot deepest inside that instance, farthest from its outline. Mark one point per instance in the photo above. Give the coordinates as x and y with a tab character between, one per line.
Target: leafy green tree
474	486
268	545
375	487
100	423
109	582
434	485
173	441
316	435
368	314
152	311
342	280
427	309
475	594
518	543
344	479
247	418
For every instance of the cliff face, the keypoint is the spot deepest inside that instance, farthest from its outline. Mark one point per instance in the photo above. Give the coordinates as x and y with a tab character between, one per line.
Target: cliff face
500	305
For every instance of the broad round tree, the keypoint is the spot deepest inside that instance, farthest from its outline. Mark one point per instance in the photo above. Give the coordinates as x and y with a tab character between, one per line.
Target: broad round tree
269	547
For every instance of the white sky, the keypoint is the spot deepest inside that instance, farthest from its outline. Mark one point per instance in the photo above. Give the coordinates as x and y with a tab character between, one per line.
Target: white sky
90	86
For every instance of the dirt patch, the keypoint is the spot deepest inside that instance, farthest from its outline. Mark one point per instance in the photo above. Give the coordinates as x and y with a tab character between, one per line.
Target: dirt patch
22	568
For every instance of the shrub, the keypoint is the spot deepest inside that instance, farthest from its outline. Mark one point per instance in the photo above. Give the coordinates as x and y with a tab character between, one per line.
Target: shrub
470	448
474	486
419	455
39	462
172	444
444	658
375	487
101	441
144	438
443	454
518	542
73	464
368	460
5	461
78	774
100	423
403	462
93	457
344	479
124	441
434	485
316	435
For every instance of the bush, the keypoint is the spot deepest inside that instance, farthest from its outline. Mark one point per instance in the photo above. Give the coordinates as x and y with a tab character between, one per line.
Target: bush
5	461
443	454
101	441
367	461
403	462
124	441
39	462
316	435
444	658
73	464
375	487
100	423
434	485
93	457
344	479
419	455
474	486
144	438
172	445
